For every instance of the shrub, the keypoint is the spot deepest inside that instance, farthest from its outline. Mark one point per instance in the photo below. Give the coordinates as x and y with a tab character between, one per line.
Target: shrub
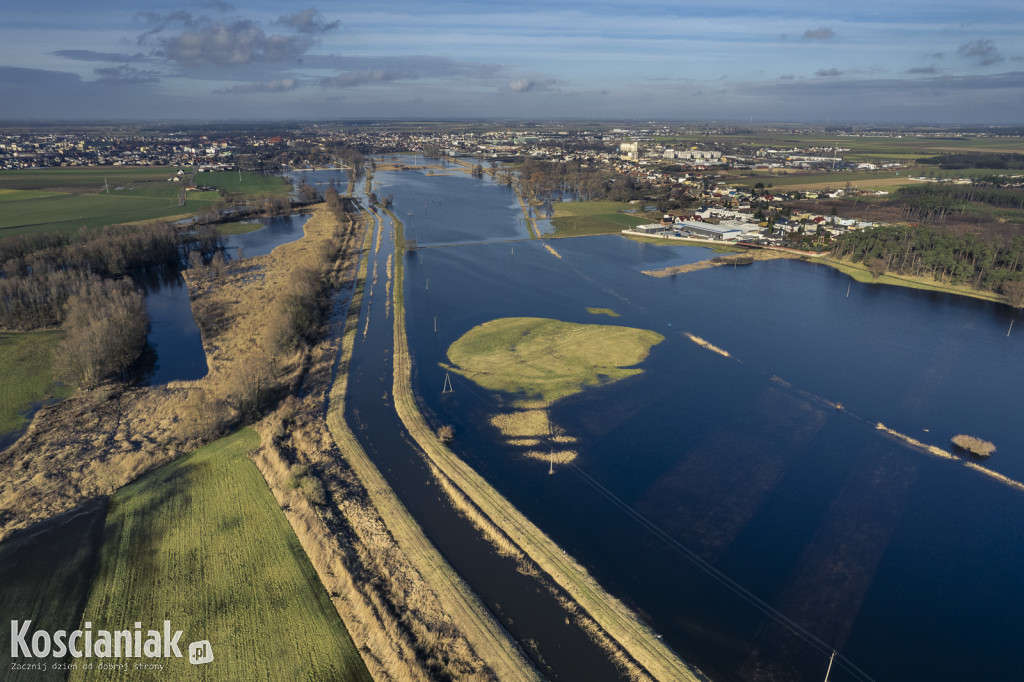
977	446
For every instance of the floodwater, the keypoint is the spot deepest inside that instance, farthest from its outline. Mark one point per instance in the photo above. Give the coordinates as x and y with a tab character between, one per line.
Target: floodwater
174	337
747	506
557	648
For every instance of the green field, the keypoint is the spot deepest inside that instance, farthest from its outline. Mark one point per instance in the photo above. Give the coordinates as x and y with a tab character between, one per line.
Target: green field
573	218
66	199
885	179
535	358
248	185
86	178
228	229
202	542
26	375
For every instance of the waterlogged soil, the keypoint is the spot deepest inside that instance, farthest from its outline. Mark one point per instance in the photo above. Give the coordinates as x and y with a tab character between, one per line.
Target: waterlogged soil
747	506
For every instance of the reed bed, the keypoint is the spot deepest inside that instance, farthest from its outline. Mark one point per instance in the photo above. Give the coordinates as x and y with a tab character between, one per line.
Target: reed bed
931	449
974	445
707	345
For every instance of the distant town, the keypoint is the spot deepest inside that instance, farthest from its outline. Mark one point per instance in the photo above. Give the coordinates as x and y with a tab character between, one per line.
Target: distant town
790	186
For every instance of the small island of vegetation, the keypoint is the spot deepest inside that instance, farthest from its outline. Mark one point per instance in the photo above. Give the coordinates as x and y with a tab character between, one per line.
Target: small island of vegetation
974	445
537	358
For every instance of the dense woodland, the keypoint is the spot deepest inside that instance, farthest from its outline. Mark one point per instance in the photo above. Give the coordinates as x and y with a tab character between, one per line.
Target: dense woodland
40	272
981	261
975	160
541	179
937	202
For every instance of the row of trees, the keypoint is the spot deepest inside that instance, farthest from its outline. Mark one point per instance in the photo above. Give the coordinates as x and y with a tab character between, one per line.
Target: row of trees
975	160
41	272
981	261
934	203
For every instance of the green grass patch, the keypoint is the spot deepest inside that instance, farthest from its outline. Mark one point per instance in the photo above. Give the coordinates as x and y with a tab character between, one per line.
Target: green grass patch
577	218
66	199
602	311
86	179
246	184
537	358
228	229
202	542
69	212
8	196
26	360
837	180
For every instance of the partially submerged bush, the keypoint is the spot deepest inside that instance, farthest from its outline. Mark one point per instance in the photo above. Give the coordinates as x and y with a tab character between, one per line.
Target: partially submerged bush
977	446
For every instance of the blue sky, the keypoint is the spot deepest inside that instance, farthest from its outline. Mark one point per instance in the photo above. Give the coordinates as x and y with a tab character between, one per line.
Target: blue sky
943	61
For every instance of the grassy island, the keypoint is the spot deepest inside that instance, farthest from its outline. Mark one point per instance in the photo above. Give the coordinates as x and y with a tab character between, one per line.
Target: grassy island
543	359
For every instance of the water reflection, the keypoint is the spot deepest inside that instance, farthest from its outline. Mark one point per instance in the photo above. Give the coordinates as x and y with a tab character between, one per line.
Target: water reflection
872	547
175	347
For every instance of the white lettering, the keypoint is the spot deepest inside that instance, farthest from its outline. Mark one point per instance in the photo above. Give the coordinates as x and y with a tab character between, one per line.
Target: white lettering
103	645
152	646
58	644
171	643
19	647
41	643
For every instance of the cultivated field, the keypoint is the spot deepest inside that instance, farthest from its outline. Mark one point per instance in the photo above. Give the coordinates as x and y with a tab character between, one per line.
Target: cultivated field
202	542
246	185
66	199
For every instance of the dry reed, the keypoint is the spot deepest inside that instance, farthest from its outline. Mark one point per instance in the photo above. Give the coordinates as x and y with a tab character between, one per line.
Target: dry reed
707	345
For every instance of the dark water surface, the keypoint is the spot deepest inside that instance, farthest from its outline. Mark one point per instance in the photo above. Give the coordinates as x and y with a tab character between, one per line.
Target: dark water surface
174	334
559	650
751	522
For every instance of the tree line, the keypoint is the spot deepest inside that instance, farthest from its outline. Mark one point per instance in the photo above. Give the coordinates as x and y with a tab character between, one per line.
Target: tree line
975	160
41	272
105	331
982	261
935	203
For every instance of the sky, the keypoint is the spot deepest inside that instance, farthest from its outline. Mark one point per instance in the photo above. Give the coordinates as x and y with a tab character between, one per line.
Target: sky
958	62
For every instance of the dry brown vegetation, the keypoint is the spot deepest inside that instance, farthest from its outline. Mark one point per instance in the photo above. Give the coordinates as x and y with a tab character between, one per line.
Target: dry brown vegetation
98	440
972	444
704	343
745	258
407	601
